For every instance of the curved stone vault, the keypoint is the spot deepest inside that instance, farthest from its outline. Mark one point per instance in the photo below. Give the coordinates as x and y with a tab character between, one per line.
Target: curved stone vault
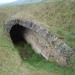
43	42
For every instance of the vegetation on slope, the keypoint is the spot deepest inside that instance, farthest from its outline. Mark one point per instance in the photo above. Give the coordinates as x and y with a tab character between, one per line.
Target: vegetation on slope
59	17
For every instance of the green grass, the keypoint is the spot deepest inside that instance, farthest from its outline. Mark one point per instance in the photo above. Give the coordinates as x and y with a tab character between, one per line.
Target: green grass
59	17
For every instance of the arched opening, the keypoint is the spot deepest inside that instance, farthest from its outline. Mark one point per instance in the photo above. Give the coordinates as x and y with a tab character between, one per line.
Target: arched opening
17	36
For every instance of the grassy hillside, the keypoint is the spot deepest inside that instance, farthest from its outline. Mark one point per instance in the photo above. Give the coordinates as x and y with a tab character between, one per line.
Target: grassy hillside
58	16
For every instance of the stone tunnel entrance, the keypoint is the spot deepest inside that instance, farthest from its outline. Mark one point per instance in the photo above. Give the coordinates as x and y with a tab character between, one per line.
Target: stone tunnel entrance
22	36
39	40
17	33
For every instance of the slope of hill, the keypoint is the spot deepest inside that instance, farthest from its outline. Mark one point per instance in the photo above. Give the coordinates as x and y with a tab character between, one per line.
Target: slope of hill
59	17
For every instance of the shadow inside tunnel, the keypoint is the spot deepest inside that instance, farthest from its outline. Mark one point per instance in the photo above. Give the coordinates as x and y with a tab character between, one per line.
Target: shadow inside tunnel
17	36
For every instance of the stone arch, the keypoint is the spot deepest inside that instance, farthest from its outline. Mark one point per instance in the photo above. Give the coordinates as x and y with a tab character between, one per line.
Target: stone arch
45	43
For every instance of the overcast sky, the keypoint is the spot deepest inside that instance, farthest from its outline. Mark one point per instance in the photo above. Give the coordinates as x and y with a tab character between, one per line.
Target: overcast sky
21	1
6	1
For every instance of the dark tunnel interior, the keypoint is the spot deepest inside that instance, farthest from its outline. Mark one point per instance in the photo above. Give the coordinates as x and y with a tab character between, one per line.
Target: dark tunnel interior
17	34
17	37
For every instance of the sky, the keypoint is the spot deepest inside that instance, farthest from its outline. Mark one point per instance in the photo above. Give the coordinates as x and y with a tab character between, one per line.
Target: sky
11	1
6	1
